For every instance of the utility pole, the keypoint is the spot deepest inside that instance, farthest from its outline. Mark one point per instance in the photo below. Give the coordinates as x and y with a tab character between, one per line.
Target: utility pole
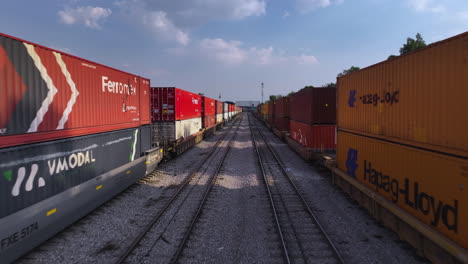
262	93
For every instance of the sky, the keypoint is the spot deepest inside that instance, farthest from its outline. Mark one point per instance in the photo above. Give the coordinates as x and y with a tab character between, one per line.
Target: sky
230	47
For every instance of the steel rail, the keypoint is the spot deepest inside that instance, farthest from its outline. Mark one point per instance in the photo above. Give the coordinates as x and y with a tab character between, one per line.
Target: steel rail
305	204
272	204
158	216
196	216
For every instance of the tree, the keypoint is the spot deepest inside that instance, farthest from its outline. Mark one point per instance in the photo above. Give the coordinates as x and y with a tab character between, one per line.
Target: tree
330	85
272	97
348	71
413	44
291	93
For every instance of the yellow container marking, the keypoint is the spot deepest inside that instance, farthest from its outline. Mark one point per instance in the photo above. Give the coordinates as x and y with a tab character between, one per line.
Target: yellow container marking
147	162
128	172
51	211
98	187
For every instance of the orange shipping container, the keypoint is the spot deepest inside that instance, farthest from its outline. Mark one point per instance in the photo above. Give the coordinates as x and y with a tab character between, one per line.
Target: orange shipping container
418	98
425	184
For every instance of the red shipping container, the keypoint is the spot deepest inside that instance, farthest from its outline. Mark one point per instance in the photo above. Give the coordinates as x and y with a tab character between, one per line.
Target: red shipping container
314	106
171	103
219	107
320	138
209	106
48	95
282	107
209	121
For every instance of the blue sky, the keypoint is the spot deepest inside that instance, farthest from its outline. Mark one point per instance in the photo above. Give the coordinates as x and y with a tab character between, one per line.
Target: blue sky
229	47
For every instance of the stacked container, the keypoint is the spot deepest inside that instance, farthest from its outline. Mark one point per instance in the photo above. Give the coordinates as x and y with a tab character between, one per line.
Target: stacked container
313	118
281	117
219	112
208	112
403	131
264	111
176	114
271	113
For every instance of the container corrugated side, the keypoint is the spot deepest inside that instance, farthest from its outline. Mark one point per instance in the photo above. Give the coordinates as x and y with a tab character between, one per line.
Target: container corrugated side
429	186
219	107
314	106
282	107
271	112
167	132
320	138
264	111
171	103
48	95
419	97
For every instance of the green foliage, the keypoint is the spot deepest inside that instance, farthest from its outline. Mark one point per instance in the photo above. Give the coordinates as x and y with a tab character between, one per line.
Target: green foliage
272	98
348	71
391	57
330	85
412	44
291	93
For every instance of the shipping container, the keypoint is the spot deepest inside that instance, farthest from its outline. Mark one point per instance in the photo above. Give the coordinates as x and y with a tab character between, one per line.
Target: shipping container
48	185
314	106
208	112
225	111
171	103
165	133
281	116
271	112
427	185
320	138
417	98
49	95
219	107
264	111
282	107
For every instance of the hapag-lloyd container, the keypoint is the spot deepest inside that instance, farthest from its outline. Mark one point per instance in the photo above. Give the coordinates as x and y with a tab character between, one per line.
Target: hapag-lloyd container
46	95
319	138
427	185
314	106
417	98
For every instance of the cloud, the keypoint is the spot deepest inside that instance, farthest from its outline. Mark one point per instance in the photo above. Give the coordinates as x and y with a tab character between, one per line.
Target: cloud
426	6
87	15
228	52
164	27
285	14
173	20
305	6
232	53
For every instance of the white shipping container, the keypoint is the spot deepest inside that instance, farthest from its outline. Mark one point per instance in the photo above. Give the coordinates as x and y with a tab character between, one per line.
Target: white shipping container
219	118
167	132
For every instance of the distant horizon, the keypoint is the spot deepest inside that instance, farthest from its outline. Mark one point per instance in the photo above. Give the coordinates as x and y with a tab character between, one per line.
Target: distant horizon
231	47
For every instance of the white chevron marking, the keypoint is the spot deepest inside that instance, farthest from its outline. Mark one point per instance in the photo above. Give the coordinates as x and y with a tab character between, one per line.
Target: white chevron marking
50	85
75	92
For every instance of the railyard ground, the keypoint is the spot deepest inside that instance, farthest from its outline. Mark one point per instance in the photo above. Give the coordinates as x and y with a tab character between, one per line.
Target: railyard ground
236	225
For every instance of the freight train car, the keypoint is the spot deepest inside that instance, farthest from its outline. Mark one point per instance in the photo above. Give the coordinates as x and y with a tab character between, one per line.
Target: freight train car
60	117
176	118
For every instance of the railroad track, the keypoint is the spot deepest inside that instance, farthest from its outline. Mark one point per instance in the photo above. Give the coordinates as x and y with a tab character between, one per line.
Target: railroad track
302	237
187	199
